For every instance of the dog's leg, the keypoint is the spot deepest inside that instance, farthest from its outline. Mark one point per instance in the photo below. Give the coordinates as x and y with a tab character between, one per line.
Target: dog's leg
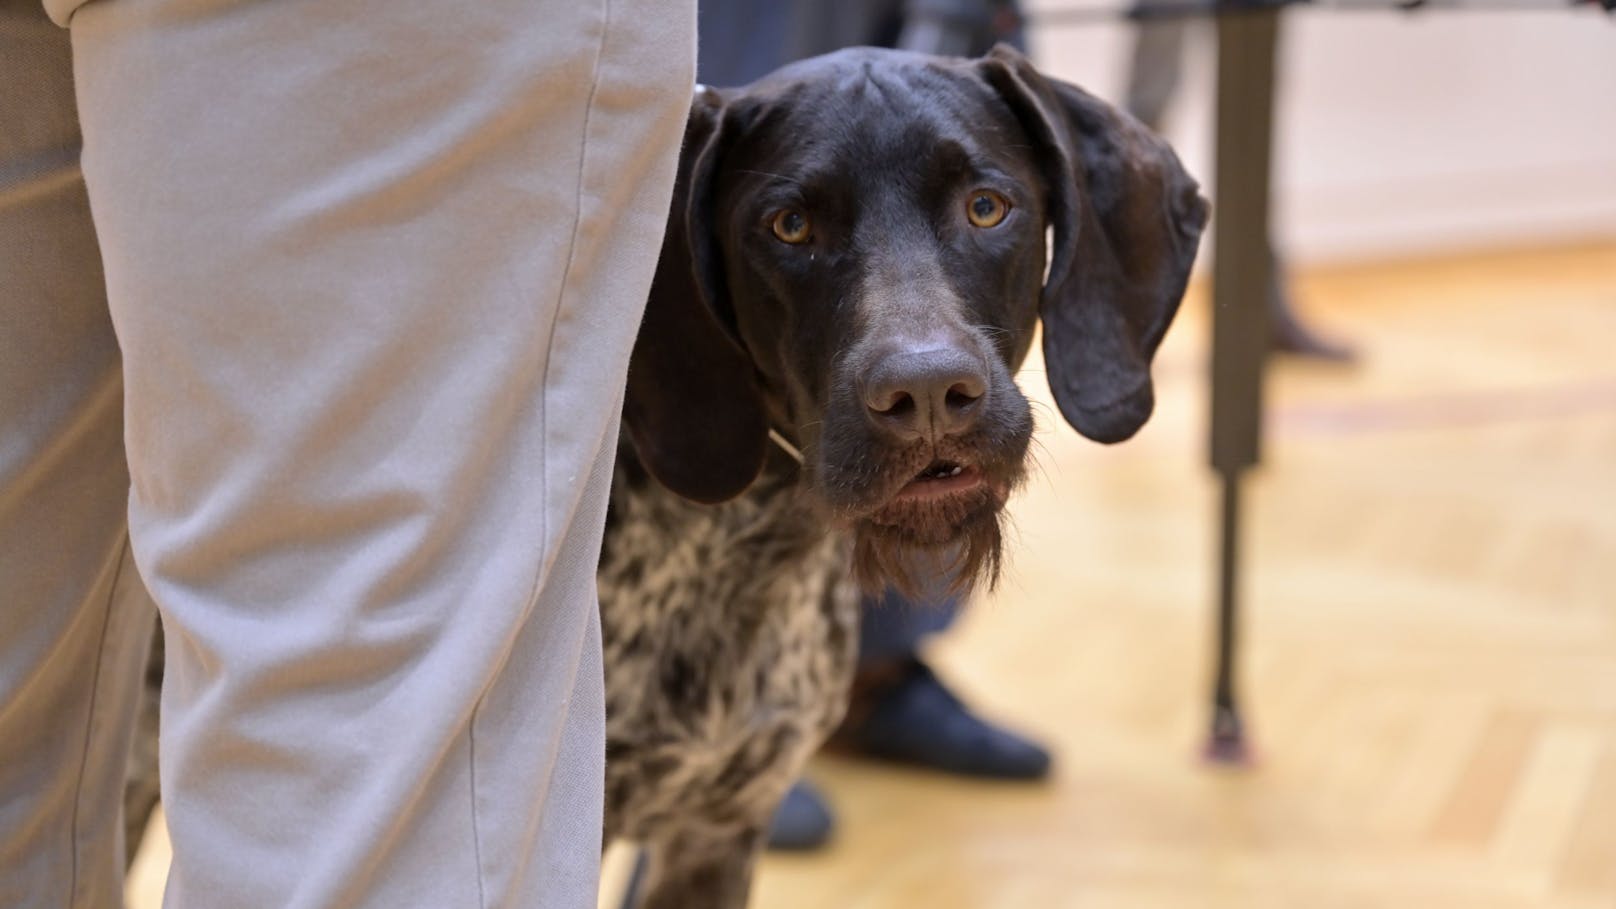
701	872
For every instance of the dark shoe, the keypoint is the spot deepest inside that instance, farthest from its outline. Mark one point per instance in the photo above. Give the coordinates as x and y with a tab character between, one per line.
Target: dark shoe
803	821
1289	334
917	720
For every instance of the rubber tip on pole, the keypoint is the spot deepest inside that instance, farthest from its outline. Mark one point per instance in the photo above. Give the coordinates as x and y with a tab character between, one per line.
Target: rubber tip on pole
1226	746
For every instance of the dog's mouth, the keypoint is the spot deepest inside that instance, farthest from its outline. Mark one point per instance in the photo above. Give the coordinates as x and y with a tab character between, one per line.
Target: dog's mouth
941	477
934	493
933	504
945	516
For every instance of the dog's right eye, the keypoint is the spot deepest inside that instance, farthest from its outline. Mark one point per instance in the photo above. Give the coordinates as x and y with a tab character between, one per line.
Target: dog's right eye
791	226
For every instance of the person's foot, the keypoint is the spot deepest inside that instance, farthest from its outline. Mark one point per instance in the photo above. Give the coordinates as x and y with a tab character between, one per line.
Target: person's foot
1289	333
803	821
904	713
1290	336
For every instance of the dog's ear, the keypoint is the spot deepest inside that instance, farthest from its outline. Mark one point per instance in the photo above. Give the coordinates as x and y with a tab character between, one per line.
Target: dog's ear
693	408
1127	220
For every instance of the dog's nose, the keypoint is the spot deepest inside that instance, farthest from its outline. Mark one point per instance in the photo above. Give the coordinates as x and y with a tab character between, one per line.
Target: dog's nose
925	394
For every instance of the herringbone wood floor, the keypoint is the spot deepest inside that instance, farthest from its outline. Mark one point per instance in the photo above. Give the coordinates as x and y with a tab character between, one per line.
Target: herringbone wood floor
1432	629
1432	634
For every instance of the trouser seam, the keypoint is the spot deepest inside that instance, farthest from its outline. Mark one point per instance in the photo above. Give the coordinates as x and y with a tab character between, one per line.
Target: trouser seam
89	720
476	834
544	429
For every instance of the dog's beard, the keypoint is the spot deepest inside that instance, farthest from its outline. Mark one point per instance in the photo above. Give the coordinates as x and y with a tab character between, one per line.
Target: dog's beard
909	545
912	543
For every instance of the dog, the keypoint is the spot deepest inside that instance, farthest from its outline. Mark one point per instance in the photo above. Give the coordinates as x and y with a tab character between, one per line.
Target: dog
855	266
820	399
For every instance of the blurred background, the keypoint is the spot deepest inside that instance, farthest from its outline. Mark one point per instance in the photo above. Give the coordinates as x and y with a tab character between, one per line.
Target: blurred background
1429	587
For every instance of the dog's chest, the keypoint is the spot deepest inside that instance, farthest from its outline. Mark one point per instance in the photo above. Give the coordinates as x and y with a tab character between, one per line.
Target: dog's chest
729	635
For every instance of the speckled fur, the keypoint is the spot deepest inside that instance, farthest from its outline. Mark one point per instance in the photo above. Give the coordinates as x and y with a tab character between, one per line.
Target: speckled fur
730	636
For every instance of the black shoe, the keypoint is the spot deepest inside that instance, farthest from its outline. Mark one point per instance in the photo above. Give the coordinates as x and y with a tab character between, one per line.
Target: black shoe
803	821
1289	334
917	720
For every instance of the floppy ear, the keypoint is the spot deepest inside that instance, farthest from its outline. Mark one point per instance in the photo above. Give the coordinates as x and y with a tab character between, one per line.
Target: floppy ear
692	407
1127	220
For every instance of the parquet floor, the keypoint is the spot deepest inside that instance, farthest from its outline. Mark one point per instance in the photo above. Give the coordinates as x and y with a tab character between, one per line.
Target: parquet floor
1431	678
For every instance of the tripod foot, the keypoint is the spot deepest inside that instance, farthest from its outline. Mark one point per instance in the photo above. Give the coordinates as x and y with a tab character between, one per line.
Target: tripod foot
1226	746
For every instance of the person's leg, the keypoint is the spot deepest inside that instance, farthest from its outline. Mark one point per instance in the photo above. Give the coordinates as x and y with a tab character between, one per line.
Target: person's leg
1155	68
960	28
73	617
376	268
740	40
1155	72
892	626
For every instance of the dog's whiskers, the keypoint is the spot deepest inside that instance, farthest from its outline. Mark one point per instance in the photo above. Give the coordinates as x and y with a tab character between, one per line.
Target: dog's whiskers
785	446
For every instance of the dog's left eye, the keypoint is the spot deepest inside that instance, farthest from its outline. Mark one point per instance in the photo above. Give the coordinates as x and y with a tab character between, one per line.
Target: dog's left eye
791	226
986	208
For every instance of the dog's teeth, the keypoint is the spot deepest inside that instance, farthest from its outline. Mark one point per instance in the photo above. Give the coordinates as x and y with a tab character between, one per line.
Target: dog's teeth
955	472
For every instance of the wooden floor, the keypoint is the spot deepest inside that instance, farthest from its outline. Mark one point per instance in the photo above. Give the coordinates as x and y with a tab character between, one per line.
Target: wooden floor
1432	665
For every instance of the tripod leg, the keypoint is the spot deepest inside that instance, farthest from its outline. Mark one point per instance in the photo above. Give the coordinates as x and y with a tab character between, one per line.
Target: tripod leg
1242	275
1227	742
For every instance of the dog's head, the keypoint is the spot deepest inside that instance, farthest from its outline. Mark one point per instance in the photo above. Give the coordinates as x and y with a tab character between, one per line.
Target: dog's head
856	259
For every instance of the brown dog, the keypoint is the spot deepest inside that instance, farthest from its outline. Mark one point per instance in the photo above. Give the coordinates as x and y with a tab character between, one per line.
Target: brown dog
855	263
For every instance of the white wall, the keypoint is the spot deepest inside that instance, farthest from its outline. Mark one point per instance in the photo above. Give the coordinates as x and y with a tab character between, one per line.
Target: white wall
1404	134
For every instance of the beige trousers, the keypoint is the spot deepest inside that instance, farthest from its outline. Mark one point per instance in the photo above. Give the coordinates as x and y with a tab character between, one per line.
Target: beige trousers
372	272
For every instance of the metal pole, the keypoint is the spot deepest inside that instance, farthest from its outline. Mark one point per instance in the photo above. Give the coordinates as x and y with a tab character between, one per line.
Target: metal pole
1241	276
1226	742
